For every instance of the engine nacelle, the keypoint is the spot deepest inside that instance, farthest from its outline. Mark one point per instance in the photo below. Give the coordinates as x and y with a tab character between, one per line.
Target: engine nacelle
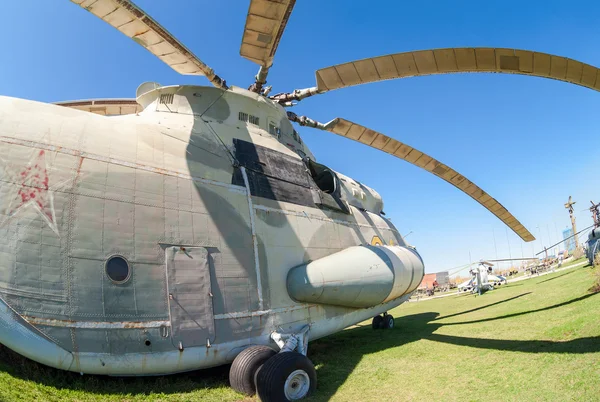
359	276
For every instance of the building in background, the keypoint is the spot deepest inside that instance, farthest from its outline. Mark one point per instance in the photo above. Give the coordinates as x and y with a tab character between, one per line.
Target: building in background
570	242
427	282
439	279
442	278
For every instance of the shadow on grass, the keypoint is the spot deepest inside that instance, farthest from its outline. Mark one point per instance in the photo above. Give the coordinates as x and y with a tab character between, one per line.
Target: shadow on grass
335	357
566	303
482	307
556	277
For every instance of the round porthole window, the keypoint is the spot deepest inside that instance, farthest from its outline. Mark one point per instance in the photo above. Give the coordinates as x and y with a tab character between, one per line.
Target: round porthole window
117	269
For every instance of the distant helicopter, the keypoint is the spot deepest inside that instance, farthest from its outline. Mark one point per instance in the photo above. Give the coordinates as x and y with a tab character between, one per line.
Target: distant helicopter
482	279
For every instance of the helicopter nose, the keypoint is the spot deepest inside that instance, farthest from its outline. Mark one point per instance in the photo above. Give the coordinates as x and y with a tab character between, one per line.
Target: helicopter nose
20	336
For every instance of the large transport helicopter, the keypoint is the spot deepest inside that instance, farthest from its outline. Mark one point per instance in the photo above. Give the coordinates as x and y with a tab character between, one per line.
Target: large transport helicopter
193	228
593	242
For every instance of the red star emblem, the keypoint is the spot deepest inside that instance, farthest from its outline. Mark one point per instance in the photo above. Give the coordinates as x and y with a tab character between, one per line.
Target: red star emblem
32	190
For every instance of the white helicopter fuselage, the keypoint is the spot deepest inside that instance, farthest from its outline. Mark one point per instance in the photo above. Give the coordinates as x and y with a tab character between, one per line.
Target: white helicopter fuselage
201	196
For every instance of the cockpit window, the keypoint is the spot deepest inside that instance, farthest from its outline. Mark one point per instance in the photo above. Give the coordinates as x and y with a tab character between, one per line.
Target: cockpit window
324	177
328	182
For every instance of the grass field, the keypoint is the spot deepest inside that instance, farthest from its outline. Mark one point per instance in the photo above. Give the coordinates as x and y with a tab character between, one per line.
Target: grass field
534	340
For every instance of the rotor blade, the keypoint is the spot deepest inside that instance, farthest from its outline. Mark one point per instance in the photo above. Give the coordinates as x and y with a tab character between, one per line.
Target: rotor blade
136	24
265	24
453	271
513	259
396	148
458	60
105	107
450	60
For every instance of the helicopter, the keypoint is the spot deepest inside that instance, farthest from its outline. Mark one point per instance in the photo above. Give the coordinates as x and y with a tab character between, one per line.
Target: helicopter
479	283
593	245
191	227
482	279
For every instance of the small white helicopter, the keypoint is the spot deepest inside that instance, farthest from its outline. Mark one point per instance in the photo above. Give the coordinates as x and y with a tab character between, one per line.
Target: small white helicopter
482	279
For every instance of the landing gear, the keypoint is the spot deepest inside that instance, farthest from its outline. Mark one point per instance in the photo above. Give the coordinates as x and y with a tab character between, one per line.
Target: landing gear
385	322
287	376
388	321
245	367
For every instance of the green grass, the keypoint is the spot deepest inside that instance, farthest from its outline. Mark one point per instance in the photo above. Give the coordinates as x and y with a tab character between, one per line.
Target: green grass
533	340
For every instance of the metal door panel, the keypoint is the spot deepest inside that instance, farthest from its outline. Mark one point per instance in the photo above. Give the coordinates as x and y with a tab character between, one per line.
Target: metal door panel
190	297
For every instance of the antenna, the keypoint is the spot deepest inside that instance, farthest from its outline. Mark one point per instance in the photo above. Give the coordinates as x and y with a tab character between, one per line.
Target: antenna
569	206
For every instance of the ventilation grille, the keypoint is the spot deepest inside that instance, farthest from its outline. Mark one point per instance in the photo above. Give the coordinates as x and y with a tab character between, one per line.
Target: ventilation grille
166	99
248	118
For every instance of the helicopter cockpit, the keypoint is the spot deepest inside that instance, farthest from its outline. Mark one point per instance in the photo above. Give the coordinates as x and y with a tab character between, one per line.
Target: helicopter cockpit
344	189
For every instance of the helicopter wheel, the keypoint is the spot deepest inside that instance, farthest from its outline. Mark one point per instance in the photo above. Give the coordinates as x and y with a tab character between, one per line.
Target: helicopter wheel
377	322
246	365
388	321
287	376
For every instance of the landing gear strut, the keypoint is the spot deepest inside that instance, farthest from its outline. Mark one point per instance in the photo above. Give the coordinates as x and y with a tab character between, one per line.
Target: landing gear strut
383	322
285	376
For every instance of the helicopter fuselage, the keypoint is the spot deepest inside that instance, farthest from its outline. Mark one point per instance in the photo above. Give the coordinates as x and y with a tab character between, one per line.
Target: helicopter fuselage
161	242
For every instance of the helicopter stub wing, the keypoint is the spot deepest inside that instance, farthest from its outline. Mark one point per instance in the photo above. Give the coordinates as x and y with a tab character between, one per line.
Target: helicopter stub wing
382	142
136	24
105	107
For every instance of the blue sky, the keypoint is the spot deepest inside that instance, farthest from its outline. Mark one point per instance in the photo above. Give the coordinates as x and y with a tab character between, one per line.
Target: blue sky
529	142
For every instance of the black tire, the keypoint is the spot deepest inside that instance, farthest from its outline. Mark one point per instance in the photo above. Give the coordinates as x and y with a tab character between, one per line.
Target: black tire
272	377
377	322
245	365
388	322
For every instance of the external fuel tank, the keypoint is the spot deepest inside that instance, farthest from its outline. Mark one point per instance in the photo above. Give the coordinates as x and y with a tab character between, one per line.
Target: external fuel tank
359	276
